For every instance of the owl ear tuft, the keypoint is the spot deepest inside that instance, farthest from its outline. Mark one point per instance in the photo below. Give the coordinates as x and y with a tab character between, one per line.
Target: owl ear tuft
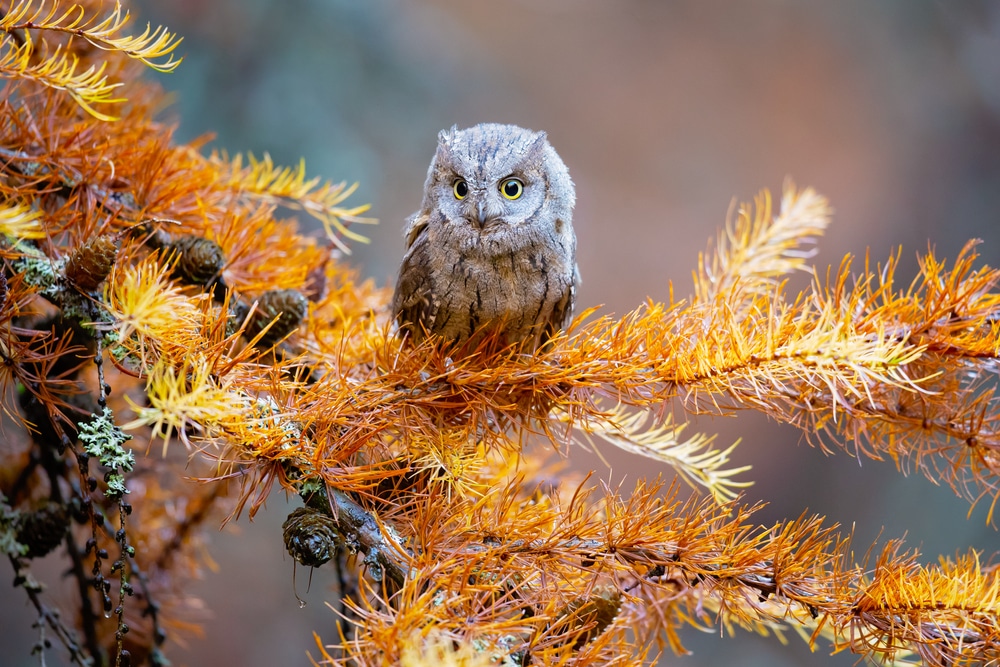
537	146
445	137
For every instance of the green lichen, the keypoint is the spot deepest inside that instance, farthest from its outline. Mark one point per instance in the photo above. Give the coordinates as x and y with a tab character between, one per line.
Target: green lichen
37	269
74	305
9	521
102	438
46	275
312	486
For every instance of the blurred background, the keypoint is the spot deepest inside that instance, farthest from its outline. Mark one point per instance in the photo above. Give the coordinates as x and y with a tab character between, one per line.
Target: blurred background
664	111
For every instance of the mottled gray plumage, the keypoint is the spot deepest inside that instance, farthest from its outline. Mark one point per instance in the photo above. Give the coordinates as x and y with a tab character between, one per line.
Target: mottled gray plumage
476	258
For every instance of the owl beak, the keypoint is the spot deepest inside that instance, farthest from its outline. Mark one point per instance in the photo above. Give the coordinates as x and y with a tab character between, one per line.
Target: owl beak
482	213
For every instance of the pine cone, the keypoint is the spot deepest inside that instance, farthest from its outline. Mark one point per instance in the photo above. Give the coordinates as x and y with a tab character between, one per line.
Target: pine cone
288	305
199	260
42	530
91	263
599	609
310	536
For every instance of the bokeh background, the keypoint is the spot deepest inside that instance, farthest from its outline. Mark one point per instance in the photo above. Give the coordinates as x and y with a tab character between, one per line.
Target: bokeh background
664	111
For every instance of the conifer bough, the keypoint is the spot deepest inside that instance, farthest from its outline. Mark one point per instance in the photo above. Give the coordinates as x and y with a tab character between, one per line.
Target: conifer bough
149	290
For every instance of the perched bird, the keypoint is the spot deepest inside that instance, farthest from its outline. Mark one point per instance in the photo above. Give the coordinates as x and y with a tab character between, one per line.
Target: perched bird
492	248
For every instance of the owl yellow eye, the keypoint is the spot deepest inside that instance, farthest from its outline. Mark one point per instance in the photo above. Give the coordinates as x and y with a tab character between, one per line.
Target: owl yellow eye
460	188
511	188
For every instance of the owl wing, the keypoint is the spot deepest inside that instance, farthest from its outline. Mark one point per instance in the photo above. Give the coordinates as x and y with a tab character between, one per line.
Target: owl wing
413	305
562	310
416	225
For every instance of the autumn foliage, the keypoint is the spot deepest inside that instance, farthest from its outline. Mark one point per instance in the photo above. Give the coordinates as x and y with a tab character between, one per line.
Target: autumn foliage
160	312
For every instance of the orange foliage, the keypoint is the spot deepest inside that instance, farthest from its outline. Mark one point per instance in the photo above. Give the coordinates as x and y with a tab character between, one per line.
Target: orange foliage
283	368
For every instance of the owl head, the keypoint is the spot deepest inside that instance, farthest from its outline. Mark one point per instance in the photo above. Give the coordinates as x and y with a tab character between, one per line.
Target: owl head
491	178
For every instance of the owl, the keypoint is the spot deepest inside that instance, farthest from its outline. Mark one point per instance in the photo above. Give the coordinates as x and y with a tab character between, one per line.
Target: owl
492	248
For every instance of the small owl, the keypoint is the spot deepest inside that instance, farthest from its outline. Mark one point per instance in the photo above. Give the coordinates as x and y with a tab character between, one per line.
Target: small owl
492	246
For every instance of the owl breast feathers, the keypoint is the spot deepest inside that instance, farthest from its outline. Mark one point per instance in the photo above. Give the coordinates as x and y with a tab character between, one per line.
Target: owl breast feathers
492	247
